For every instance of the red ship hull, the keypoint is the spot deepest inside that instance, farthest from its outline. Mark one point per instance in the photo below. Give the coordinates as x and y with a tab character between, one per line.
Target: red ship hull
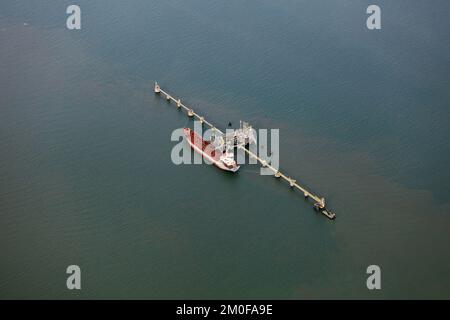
205	148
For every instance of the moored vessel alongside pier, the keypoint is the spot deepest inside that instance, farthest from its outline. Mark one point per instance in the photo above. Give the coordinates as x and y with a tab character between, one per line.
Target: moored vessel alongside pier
220	158
238	139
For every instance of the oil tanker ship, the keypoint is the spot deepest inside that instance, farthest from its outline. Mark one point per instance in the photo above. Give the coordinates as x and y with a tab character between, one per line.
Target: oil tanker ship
213	153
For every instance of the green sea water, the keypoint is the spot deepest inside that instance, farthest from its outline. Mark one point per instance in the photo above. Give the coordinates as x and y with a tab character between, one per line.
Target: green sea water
86	176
